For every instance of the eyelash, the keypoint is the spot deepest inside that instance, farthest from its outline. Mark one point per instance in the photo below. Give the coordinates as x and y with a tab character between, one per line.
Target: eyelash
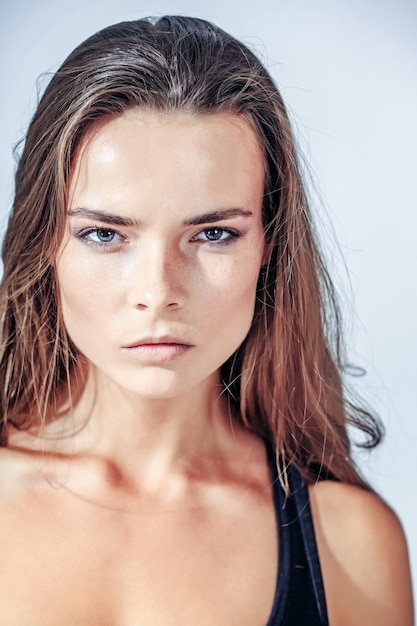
86	234
231	235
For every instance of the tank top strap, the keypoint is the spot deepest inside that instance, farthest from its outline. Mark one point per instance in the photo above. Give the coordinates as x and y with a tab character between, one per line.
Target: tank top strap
299	596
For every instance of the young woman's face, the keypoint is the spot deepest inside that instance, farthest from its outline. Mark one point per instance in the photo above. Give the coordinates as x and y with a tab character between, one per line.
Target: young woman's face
164	243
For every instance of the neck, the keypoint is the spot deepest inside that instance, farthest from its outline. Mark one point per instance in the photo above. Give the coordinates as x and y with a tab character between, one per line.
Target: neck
170	435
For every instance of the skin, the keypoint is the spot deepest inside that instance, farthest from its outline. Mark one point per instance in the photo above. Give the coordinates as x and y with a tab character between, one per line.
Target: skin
152	500
364	557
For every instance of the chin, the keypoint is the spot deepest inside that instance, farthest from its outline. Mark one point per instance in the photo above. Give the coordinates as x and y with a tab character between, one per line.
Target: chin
153	384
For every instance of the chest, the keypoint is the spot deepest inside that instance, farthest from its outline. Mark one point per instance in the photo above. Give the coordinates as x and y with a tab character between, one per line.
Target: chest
91	565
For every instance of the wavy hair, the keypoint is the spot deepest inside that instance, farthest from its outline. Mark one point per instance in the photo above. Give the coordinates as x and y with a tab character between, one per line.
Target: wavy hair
288	377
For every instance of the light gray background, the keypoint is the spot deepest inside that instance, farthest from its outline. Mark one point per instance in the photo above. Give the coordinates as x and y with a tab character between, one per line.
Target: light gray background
347	69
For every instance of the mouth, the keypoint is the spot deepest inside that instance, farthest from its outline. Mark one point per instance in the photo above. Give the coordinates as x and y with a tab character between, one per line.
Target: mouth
158	349
166	340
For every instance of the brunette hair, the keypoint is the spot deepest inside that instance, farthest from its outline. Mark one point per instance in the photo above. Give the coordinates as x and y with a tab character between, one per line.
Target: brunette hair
287	379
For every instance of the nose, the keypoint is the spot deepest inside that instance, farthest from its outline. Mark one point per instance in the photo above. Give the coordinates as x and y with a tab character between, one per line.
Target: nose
157	281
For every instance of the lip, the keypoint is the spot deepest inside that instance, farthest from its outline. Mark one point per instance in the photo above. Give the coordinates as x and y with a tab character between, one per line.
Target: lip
158	349
155	341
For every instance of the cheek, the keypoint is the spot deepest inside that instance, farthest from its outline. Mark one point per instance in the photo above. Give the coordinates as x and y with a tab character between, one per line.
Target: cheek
230	298
83	291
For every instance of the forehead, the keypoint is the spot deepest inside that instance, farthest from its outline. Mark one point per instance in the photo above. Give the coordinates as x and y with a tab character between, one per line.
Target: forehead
157	157
152	119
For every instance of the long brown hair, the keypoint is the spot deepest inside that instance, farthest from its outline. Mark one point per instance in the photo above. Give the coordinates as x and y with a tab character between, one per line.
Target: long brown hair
288	377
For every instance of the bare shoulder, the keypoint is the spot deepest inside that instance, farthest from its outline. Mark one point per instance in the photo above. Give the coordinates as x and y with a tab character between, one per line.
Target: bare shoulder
363	556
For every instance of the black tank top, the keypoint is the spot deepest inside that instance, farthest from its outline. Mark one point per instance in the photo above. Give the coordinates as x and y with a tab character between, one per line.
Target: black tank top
299	595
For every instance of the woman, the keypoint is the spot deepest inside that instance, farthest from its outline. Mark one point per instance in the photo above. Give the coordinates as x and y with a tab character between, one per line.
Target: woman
174	411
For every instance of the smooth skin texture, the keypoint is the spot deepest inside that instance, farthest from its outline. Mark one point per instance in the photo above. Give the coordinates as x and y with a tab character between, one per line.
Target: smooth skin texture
152	505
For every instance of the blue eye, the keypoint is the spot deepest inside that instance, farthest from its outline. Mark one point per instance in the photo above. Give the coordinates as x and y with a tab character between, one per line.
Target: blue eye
216	234
100	237
103	235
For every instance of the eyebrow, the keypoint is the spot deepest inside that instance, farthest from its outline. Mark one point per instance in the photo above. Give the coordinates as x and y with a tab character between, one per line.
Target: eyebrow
106	218
118	220
217	216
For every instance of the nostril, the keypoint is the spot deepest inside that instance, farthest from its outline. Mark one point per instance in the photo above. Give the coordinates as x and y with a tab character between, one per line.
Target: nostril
172	306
